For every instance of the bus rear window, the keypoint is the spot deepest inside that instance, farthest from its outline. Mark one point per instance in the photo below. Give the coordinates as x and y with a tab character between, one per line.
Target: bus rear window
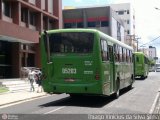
71	42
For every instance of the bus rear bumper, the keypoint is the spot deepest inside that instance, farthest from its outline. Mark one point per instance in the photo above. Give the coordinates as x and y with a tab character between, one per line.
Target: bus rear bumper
76	88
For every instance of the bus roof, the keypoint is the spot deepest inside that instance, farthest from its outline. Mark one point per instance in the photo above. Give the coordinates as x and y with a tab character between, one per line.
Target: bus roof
139	53
109	38
115	41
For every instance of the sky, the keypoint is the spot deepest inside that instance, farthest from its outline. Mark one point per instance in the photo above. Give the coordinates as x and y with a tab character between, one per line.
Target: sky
147	18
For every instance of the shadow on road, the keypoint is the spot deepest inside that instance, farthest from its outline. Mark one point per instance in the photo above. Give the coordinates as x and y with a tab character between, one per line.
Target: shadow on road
84	101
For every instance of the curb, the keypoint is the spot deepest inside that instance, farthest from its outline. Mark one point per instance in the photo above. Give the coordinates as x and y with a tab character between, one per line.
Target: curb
27	99
156	105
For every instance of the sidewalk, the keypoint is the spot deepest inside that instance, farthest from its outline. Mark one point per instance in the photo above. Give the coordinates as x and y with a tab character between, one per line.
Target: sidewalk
21	91
8	98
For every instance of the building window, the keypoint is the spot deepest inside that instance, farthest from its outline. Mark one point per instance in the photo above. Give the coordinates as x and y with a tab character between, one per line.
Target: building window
121	12
32	18
127	11
128	32
80	25
6	8
127	21
23	15
51	22
133	17
91	24
104	23
134	26
70	25
67	25
32	2
43	2
94	24
50	6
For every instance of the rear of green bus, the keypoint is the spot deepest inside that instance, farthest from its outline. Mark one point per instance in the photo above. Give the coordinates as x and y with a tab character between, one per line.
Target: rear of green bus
139	65
74	61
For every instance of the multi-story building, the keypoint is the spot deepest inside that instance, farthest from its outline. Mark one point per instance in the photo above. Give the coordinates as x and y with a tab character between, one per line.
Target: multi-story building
127	14
21	21
101	18
152	52
144	50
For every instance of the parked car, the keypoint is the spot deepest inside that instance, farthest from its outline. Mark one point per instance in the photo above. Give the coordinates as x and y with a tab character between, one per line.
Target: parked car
158	69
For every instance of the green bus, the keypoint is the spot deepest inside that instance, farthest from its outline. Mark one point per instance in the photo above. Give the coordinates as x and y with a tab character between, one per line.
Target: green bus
141	65
85	62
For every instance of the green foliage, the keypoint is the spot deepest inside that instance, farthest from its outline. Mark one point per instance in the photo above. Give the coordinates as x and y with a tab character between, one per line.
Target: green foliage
152	62
3	89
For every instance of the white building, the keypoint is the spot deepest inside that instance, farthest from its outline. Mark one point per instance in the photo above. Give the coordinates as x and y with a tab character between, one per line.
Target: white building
126	12
102	18
152	52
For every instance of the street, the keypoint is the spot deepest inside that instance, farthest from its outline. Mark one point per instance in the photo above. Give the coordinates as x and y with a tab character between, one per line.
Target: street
138	100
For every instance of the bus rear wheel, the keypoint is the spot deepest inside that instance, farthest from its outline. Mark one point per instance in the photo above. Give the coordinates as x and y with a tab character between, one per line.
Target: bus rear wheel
75	96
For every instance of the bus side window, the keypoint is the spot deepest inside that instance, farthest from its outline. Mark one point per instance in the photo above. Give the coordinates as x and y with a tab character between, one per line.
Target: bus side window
104	51
120	54
123	55
131	56
116	52
128	57
110	50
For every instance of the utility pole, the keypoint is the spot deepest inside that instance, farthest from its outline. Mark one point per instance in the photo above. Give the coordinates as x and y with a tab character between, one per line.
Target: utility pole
136	39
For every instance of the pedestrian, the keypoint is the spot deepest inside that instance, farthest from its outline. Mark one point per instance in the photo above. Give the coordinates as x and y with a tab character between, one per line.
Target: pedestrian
39	81
31	77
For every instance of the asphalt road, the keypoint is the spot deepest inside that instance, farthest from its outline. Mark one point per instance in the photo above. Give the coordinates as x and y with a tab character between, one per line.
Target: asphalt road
139	100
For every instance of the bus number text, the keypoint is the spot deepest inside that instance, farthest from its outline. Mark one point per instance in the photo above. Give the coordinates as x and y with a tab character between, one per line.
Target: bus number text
69	70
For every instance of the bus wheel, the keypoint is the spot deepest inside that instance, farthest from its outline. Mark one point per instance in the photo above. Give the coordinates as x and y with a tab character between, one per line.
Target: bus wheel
74	96
130	86
142	77
116	94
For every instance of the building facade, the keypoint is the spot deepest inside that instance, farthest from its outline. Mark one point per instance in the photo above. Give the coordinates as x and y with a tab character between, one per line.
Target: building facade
152	52
127	14
101	18
21	22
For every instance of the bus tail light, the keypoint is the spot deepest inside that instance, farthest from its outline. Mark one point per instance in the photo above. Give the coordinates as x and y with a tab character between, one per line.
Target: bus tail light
97	76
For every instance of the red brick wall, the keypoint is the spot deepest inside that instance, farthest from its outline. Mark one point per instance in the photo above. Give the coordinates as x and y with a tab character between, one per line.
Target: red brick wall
46	5
57	5
0	9
38	3
13	30
37	56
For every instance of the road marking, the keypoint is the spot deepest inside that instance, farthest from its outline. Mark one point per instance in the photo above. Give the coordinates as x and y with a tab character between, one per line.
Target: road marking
154	103
55	110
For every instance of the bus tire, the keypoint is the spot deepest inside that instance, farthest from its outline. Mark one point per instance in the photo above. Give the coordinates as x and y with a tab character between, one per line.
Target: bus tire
74	96
116	94
142	77
130	86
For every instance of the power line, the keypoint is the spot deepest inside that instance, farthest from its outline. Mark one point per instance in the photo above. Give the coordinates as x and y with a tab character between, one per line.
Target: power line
151	41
